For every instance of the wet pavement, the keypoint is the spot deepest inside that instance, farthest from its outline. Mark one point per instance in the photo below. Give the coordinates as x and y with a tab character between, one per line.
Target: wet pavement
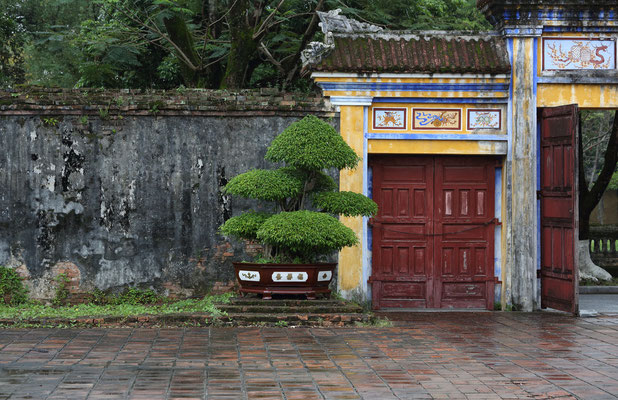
590	304
443	355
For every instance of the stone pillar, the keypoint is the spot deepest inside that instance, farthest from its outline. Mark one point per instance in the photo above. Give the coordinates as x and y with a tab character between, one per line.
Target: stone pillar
521	175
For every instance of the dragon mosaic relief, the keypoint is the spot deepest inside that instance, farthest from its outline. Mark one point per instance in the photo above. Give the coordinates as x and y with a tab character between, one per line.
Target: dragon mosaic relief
437	119
579	54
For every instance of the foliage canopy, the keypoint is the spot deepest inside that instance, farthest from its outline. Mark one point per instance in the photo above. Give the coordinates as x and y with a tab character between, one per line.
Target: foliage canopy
294	232
166	43
311	144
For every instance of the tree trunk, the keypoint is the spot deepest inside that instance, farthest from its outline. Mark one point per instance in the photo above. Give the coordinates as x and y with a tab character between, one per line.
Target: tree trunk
189	59
243	48
292	66
588	199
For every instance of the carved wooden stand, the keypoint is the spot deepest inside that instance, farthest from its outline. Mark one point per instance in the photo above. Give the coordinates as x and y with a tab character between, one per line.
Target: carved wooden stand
269	279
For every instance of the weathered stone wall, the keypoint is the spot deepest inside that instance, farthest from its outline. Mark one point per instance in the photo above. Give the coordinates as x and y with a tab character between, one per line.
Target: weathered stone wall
124	188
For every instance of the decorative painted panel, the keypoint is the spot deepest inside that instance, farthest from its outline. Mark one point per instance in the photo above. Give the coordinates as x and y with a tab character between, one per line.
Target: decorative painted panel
578	54
484	118
252	276
324	276
289	276
436	119
390	118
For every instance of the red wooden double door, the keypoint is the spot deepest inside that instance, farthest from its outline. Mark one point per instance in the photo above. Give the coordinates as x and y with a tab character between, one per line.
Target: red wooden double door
433	237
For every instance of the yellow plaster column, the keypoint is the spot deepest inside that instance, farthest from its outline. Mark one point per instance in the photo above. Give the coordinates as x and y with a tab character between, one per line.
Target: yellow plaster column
350	258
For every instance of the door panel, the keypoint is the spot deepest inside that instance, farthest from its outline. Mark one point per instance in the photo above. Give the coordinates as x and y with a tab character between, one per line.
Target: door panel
559	208
432	240
464	232
402	251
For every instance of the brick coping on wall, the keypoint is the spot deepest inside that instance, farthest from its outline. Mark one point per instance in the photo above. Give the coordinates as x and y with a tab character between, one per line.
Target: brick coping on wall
32	100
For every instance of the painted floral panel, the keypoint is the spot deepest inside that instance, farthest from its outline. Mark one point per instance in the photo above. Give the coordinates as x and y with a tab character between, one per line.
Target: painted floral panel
252	276
389	118
287	276
578	54
437	118
484	119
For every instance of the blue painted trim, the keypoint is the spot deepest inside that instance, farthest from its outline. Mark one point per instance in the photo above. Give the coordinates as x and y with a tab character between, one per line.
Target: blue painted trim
525	32
434	136
509	111
450	100
538	202
498	230
420	87
535	56
591	29
535	79
365	252
609	80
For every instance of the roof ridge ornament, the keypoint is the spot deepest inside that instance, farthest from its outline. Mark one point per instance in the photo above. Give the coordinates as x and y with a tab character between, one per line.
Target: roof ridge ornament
333	22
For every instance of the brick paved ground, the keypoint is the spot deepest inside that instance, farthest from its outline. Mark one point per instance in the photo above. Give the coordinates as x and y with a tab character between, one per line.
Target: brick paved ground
474	356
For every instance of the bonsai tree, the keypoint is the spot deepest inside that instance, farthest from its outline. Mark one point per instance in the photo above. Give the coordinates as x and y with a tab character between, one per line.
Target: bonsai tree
302	227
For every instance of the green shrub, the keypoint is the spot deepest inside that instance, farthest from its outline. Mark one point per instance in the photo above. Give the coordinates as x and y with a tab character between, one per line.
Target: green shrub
306	233
349	204
293	233
11	287
130	296
312	144
62	291
135	296
99	297
244	226
265	185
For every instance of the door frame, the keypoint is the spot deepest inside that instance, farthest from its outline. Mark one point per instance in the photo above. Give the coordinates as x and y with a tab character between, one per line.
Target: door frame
493	162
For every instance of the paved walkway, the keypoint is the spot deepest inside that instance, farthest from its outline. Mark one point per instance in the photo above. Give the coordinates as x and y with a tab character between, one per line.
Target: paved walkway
598	303
437	355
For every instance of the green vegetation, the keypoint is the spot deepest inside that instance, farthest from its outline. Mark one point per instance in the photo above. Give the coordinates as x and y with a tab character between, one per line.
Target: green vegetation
294	232
130	296
171	43
345	203
33	310
52	122
12	290
62	292
375	323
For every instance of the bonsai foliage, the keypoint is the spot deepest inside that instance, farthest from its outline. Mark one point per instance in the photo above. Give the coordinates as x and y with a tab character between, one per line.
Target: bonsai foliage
295	231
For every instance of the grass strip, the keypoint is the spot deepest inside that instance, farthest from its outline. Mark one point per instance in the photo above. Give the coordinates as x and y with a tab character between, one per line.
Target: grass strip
33	310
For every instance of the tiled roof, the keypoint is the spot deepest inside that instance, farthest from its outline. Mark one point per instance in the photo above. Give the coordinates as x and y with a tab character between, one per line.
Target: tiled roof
434	52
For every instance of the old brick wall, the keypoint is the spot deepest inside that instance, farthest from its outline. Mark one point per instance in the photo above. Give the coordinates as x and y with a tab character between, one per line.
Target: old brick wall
123	187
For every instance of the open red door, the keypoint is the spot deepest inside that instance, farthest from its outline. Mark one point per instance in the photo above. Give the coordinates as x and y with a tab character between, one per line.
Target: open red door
559	208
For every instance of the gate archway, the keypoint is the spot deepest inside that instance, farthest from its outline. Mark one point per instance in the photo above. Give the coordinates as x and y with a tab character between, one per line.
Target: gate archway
442	93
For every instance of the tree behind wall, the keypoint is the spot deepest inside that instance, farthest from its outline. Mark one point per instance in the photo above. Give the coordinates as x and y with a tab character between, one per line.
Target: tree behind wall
598	157
197	43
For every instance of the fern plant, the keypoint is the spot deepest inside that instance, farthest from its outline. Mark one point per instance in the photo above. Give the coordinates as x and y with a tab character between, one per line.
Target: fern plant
295	231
